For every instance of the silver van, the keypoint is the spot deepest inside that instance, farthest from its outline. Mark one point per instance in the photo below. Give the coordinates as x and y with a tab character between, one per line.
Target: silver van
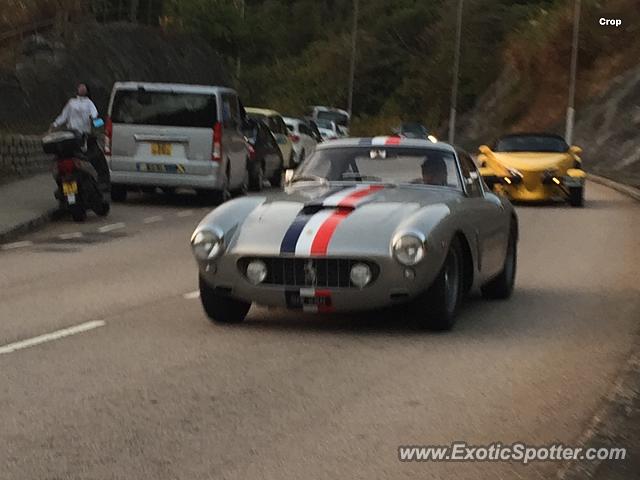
176	136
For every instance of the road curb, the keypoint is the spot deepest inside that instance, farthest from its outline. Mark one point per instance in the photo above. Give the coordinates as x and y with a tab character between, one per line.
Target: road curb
619	187
28	226
615	424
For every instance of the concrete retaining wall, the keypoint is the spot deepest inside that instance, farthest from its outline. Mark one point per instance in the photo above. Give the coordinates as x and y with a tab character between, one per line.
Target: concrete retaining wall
22	155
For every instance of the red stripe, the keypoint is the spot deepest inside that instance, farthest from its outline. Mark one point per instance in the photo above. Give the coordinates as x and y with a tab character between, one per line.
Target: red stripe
393	141
326	294
349	200
345	207
325	232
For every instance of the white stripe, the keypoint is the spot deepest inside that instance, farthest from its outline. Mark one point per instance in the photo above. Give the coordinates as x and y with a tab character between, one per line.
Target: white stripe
157	218
30	342
109	228
191	295
11	246
69	236
379	140
185	213
303	245
336	198
308	292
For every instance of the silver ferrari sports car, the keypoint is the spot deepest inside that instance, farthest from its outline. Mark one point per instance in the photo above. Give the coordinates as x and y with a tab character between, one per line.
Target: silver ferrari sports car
363	224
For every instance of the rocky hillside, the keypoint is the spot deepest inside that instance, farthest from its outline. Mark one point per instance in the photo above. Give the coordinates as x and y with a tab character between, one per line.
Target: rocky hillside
35	88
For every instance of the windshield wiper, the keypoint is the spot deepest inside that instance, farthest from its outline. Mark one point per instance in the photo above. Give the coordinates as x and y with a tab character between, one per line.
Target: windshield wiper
360	177
309	178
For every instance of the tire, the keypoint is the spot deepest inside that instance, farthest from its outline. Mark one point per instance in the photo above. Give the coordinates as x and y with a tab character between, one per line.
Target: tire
501	287
118	193
102	210
78	213
216	197
437	308
576	196
256	177
219	308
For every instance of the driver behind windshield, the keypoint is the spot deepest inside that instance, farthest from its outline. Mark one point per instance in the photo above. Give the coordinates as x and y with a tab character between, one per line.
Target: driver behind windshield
434	170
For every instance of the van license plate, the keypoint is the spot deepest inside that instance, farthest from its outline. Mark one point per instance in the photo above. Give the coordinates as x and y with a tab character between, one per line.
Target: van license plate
161	149
160	168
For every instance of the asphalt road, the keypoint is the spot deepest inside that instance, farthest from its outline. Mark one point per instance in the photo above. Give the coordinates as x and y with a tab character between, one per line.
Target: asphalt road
153	390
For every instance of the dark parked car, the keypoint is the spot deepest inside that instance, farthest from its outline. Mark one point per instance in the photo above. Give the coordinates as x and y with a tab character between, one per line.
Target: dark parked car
265	158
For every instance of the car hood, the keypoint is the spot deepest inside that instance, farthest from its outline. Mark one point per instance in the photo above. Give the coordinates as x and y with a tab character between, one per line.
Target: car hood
346	220
531	161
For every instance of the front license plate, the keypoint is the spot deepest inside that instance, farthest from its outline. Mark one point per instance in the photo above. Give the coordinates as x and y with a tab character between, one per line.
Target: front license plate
161	149
319	301
160	168
69	188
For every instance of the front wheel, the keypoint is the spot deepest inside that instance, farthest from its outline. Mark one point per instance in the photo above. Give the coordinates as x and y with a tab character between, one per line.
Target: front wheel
501	287
220	308
438	306
576	196
78	213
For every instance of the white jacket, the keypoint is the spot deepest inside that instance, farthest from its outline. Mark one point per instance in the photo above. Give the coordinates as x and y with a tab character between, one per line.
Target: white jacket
77	114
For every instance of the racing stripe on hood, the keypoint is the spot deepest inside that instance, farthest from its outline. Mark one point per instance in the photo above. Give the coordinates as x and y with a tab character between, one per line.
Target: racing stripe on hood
320	229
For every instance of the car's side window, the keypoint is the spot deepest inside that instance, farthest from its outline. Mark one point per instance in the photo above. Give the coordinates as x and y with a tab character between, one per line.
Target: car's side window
470	174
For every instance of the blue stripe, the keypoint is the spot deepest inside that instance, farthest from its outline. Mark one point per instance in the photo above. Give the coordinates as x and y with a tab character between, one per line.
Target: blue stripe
293	233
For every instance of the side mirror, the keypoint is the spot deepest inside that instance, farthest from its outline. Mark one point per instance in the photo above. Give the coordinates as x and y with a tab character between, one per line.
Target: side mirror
576	150
484	149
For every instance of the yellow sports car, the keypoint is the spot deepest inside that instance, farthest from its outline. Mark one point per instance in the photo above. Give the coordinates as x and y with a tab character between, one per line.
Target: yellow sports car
534	167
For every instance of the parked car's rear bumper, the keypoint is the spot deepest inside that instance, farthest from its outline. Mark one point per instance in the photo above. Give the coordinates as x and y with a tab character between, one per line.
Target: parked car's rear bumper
200	176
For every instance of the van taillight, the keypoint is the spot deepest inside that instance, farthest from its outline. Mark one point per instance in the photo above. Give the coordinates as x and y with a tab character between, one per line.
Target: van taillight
108	134
216	152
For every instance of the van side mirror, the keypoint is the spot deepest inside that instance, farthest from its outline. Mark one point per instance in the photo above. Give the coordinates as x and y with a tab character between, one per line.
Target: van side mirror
576	150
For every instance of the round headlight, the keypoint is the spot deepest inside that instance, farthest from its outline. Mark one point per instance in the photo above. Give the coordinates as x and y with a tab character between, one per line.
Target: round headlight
256	271
408	249
360	275
206	245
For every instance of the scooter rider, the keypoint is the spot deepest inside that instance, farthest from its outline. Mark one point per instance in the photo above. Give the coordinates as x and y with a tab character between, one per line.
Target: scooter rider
78	115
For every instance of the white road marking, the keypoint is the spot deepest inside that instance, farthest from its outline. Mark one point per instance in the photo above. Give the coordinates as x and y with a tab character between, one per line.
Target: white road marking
14	245
191	295
185	213
48	337
154	219
110	228
69	236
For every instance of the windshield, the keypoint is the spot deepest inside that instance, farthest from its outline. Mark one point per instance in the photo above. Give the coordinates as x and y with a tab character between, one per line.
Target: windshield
381	164
143	107
531	143
326	124
337	117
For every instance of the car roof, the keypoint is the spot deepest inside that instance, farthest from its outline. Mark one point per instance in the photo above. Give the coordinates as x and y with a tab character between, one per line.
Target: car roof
172	87
386	141
262	111
532	134
293	120
323	108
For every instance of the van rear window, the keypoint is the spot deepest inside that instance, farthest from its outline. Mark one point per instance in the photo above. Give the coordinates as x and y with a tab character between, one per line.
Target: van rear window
142	107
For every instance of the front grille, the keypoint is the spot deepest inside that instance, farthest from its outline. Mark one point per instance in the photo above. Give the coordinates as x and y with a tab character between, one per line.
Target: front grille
296	272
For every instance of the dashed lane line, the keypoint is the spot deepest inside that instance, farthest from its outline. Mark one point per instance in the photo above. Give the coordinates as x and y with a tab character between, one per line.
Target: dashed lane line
112	227
154	219
15	245
48	337
69	236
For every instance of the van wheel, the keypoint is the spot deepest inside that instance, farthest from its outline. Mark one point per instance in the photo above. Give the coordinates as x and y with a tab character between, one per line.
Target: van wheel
576	196
118	193
216	197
